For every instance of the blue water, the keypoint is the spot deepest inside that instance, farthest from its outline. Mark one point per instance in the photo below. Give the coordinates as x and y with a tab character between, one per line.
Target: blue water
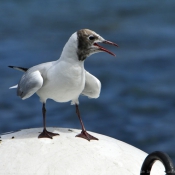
137	101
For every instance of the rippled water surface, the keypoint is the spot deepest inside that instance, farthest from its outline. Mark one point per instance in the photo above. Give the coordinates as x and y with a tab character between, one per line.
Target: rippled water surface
137	101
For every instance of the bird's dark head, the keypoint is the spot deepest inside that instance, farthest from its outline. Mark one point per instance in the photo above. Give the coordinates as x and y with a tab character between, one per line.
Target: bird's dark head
87	41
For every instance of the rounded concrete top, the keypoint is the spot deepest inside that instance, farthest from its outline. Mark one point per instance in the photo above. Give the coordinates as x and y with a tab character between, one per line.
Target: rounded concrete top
22	152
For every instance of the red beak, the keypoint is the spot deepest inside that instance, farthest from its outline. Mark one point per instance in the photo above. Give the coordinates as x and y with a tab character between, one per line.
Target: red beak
105	50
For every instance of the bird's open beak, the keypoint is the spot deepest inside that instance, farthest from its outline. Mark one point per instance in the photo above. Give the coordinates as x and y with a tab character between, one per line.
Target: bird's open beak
105	50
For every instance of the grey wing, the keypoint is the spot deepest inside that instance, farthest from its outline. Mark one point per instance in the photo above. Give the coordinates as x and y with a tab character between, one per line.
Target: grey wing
92	86
30	83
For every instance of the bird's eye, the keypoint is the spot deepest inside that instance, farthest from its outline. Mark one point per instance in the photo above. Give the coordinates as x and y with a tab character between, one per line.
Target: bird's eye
91	37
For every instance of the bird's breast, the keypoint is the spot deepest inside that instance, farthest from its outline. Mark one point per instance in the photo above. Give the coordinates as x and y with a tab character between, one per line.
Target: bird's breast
64	83
72	76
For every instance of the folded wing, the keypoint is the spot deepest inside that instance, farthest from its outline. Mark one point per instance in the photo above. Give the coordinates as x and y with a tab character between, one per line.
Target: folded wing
92	86
30	83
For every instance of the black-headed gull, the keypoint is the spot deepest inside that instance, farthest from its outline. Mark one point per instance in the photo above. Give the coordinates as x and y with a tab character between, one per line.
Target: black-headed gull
65	79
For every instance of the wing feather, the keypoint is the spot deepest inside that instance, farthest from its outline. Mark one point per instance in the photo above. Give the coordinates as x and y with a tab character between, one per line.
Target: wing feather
19	68
30	83
92	86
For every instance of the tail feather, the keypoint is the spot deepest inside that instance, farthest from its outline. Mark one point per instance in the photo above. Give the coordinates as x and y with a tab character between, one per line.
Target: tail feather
16	86
19	68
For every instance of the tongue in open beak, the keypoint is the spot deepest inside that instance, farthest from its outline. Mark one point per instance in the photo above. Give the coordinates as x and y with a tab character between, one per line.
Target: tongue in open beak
105	50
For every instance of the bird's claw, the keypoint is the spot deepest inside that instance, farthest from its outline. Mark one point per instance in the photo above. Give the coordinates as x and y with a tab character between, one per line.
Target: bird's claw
86	135
47	134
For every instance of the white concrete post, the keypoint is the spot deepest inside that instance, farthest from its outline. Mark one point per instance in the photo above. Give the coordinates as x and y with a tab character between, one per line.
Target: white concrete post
22	153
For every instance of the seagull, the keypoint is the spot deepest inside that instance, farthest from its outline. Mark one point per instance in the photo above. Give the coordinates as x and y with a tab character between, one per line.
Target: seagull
65	79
